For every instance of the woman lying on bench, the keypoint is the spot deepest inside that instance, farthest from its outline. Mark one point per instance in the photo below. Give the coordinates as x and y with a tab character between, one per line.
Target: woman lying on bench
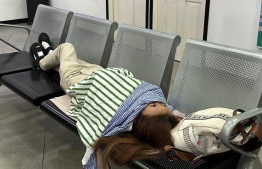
127	117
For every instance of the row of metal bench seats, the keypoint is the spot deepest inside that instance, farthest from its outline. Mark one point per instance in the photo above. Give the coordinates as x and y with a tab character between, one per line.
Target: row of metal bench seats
209	75
93	39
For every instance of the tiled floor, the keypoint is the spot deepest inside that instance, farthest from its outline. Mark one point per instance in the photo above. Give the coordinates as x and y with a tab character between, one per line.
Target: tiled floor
29	139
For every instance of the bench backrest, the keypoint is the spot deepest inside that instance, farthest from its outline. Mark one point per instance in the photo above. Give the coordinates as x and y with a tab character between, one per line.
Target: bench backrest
53	21
148	54
92	38
213	75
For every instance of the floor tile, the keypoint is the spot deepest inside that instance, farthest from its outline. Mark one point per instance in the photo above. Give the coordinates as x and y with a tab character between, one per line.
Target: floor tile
6	38
21	144
18	40
63	149
9	49
6	31
1	49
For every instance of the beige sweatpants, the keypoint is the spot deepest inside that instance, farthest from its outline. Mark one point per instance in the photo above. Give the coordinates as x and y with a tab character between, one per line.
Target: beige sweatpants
71	69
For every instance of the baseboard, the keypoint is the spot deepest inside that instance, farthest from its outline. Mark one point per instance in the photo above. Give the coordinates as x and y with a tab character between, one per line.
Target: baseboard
16	21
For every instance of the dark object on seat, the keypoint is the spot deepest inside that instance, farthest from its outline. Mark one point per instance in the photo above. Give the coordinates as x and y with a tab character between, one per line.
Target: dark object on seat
31	8
228	160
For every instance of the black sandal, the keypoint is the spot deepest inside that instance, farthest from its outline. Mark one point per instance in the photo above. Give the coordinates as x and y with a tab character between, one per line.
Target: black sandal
44	37
34	50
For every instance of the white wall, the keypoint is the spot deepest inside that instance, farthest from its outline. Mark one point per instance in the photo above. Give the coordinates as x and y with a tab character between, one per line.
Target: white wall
17	9
90	7
12	9
231	22
234	23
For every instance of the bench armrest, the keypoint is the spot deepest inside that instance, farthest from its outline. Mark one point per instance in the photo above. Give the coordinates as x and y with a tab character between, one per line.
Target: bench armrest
230	125
15	26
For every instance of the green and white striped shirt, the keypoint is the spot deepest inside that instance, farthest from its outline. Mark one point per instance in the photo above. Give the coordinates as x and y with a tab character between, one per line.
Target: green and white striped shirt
97	98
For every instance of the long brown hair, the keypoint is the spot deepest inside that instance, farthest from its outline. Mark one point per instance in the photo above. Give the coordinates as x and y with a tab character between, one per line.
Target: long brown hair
146	140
